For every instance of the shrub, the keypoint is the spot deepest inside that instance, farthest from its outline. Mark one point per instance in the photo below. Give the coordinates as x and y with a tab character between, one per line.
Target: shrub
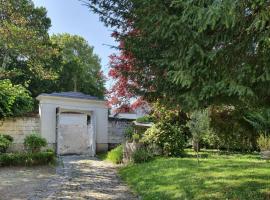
34	143
4	144
264	142
129	132
8	137
145	119
259	120
50	150
136	137
115	155
27	159
231	130
141	155
170	138
15	100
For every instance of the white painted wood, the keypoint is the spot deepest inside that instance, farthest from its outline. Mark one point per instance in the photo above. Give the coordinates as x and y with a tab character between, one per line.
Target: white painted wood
96	108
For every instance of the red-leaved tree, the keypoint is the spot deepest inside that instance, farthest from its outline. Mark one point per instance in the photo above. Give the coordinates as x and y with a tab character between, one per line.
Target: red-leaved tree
121	96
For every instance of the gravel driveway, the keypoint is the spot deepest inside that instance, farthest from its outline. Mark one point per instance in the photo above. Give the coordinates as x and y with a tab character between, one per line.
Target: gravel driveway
77	177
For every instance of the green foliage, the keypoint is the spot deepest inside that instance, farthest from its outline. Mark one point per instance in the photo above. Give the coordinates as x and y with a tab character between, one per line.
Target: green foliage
189	49
264	142
80	68
170	114
8	137
145	119
27	159
167	114
29	57
259	120
141	155
50	150
4	144
115	155
15	100
170	138
129	132
246	177
34	142
231	131
136	137
26	54
199	126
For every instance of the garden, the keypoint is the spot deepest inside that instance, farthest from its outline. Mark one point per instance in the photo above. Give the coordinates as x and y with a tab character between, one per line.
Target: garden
192	159
218	176
203	67
199	69
33	153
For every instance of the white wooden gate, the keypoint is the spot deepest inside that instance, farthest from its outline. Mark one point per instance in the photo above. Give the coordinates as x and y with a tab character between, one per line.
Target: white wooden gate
74	134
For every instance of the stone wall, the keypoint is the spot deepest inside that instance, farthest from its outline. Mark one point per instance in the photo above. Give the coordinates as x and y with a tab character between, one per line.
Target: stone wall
116	129
18	128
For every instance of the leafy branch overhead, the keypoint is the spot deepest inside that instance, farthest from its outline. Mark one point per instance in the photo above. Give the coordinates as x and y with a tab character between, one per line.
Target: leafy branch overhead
194	53
33	62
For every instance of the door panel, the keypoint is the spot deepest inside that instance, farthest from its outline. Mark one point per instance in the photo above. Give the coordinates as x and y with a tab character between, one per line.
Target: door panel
73	135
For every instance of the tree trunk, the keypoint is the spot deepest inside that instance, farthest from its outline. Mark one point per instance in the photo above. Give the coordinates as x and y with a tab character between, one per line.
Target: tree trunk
196	146
75	84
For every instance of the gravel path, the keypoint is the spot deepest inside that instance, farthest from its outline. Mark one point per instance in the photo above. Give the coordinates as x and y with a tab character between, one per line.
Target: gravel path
78	177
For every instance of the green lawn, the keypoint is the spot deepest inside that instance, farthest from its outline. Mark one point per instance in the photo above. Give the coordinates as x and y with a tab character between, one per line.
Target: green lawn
233	176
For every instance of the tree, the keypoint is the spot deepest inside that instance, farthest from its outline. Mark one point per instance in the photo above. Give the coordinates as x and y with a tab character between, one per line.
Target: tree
15	100
26	54
199	125
195	53
121	94
80	68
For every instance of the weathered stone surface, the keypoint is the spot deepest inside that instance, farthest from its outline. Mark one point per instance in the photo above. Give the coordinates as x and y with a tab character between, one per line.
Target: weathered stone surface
78	177
19	127
128	150
116	131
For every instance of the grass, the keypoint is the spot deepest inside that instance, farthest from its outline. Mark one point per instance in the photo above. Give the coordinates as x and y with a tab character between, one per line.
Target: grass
115	155
234	176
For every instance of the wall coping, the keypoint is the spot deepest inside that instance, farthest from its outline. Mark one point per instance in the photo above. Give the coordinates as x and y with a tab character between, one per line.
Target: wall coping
52	99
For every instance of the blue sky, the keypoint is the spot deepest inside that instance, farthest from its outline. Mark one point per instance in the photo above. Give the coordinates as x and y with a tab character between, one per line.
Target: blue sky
70	16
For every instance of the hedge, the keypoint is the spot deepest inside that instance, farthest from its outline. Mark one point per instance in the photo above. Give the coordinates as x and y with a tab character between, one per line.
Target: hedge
27	159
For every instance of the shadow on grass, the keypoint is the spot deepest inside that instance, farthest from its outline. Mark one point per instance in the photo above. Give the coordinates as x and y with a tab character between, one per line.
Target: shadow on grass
183	178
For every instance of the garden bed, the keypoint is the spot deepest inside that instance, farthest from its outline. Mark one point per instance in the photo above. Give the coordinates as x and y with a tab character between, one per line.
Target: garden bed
27	159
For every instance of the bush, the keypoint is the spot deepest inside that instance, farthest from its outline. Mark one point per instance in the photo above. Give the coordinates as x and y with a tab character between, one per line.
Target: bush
231	130
15	100
34	142
129	132
4	144
141	155
170	138
136	137
8	137
259	120
27	159
264	142
145	119
115	155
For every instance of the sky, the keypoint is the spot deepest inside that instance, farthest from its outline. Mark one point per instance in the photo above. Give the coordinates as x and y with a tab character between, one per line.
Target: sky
70	16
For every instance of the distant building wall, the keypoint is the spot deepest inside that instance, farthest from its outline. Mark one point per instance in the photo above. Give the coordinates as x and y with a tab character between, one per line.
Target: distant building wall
19	128
116	129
